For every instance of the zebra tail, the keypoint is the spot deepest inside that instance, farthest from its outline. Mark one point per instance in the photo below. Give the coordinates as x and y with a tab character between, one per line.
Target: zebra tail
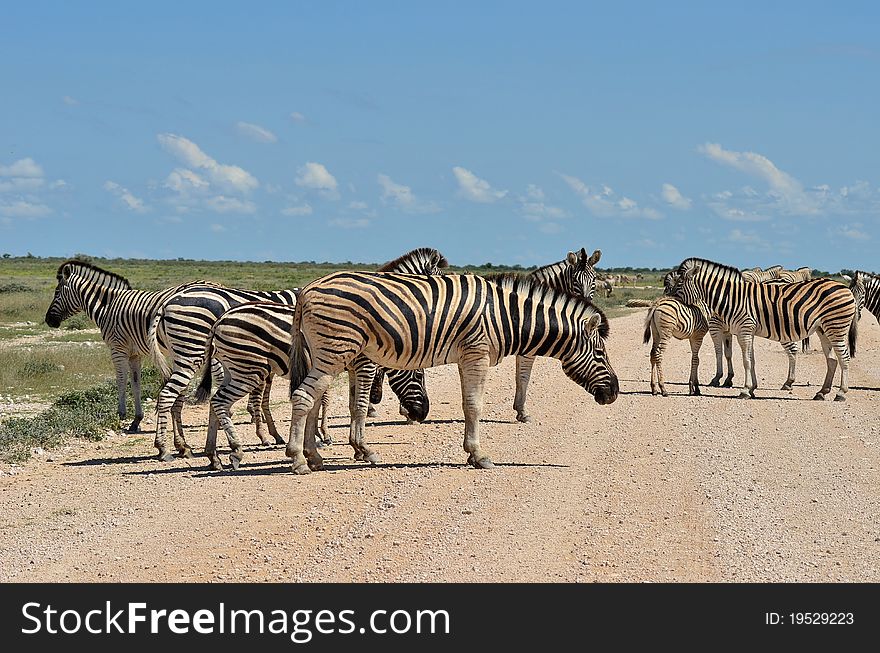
853	334
299	362
204	389
156	354
647	336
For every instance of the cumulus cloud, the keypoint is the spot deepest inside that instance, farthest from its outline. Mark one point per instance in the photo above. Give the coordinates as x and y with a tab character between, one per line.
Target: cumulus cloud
223	204
402	196
22	168
672	196
302	209
255	132
316	177
853	231
357	205
783	188
473	188
185	181
228	177
297	117
603	202
70	101
133	203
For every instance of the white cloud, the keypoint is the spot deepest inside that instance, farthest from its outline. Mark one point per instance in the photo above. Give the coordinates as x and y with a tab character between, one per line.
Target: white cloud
853	232
303	209
133	203
70	101
402	196
185	181
59	184
535	192
358	205
473	188
26	167
550	227
218	228
316	177
22	209
784	189
672	196
603	202
349	223
223	204
228	177
749	239
20	184
255	132
296	116
726	212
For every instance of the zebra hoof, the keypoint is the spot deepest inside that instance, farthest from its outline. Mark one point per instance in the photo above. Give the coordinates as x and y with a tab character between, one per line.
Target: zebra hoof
166	457
663	393
215	465
744	395
819	397
280	440
300	469
373	458
484	463
714	383
186	452
727	384
316	465
358	455
839	398
696	392
522	417
320	444
787	386
371	412
234	461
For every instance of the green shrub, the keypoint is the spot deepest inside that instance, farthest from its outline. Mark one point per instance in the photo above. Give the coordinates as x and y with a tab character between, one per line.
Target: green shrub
77	322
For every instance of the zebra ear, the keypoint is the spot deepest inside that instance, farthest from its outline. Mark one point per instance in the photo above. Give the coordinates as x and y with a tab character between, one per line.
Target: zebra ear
593	323
594	258
689	273
572	258
66	271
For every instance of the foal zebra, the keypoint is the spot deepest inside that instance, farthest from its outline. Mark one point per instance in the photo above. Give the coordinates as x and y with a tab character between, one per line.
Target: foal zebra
123	315
782	312
183	324
576	275
412	322
252	342
669	317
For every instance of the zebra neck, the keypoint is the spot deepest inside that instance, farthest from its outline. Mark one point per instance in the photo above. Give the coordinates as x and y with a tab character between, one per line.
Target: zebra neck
872	297
718	294
96	299
538	329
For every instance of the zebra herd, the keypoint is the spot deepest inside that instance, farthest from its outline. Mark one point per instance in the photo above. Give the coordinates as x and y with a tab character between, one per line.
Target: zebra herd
782	305
412	314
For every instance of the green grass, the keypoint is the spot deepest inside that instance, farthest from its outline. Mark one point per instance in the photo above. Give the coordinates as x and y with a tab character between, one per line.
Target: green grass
48	371
88	414
75	336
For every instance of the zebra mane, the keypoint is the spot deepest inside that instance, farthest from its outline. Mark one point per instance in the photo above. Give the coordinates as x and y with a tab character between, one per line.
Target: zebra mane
421	257
690	263
866	275
107	278
522	284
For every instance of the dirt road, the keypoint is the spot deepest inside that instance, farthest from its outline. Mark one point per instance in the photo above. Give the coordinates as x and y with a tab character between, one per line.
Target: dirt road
681	488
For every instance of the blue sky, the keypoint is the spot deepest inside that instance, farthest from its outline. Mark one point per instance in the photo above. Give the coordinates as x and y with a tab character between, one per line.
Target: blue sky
507	132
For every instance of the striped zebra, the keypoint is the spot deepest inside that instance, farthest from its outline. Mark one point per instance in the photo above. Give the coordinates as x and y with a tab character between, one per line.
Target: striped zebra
865	287
252	342
414	322
183	324
792	276
668	318
574	274
783	312
122	314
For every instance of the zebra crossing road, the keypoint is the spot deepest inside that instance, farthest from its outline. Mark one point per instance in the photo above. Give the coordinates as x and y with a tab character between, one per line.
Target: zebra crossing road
711	488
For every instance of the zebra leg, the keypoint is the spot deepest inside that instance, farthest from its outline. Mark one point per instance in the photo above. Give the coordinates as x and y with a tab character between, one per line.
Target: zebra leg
841	348
267	415
302	401
376	391
214	461
746	343
180	444
791	351
728	354
134	364
657	363
222	401
831	358
718	343
524	366
165	405
255	403
805	345
322	429
255	409
694	381
120	363
473	368
360	378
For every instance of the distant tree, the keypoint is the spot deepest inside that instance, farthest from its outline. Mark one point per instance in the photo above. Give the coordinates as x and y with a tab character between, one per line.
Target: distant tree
29	255
7	255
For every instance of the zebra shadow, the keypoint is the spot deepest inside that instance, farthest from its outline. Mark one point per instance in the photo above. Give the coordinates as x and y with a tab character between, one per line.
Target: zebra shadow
864	388
131	460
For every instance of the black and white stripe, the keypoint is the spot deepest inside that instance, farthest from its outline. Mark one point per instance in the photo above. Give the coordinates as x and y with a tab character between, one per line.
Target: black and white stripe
785	312
122	314
575	274
414	322
668	318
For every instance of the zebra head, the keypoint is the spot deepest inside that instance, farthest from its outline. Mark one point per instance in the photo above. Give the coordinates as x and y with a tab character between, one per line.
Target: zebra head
669	282
409	386
688	291
79	285
587	364
580	275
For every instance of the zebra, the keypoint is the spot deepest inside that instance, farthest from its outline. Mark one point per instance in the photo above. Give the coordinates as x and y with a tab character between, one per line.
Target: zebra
782	312
791	276
865	287
252	342
757	275
183	324
122	314
575	274
414	322
670	317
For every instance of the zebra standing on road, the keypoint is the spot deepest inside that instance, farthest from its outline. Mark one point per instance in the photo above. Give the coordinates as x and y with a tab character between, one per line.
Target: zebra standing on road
865	287
183	324
668	318
122	314
576	274
415	322
782	312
